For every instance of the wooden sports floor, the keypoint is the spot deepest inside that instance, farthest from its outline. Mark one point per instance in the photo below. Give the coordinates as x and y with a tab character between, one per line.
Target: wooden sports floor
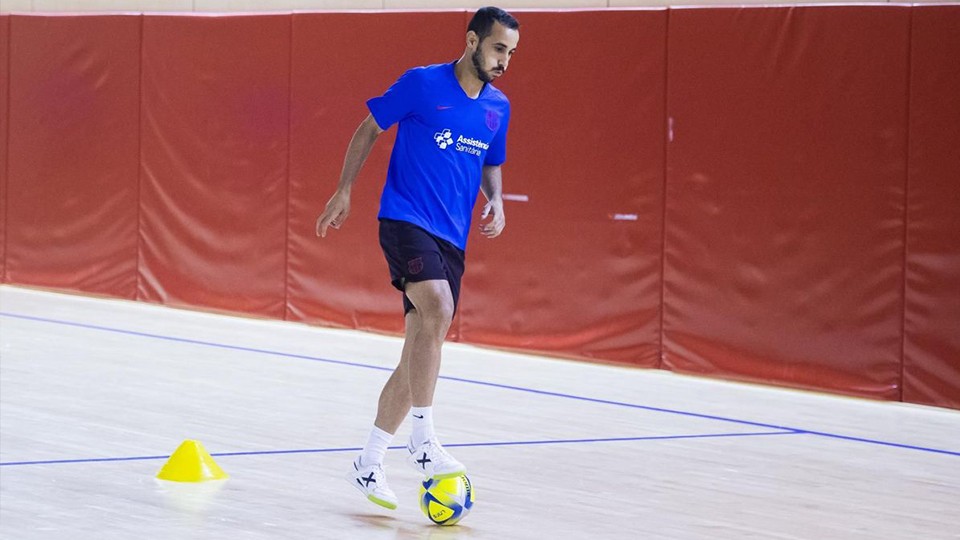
95	394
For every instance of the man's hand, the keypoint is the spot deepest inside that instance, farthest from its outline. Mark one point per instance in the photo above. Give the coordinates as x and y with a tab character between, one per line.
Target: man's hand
336	212
338	207
495	226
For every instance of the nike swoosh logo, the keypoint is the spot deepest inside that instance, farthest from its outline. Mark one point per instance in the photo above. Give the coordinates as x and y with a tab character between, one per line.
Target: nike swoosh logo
418	416
444	107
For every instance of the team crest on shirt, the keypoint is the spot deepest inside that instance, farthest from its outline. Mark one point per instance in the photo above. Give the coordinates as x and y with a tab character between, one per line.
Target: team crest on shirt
493	120
415	266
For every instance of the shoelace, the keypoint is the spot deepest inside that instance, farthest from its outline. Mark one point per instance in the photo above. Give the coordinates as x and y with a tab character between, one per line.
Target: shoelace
441	451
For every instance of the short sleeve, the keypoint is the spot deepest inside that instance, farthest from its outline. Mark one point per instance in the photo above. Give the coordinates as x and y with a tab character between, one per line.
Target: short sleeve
398	101
497	153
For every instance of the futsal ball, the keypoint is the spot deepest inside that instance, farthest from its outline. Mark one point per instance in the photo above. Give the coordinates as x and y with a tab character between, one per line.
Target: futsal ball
447	501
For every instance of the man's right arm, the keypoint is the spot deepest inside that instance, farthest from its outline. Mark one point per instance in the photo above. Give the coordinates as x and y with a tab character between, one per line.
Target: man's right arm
338	207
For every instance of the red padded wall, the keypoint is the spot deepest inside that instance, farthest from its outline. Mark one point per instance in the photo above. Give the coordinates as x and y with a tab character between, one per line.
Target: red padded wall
785	194
4	125
343	278
72	170
779	134
577	270
931	364
214	161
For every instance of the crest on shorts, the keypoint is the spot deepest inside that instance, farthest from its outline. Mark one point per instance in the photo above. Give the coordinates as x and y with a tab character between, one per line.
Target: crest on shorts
415	266
493	120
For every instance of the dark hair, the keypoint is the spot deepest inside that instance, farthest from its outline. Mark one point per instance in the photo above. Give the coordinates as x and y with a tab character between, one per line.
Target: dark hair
483	19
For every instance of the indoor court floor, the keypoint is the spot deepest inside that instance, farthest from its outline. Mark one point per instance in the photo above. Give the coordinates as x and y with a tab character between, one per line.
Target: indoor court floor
95	394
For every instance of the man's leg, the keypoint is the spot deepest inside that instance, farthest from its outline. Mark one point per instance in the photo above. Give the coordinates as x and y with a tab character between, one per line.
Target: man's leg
367	474
395	397
434	304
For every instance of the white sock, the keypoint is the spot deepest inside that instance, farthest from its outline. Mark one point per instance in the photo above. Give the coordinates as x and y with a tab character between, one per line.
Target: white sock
422	424
376	447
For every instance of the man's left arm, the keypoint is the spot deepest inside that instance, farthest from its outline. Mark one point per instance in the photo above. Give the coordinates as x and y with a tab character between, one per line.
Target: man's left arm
491	185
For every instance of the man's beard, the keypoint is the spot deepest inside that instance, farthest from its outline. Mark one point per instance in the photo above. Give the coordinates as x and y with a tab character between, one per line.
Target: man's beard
478	66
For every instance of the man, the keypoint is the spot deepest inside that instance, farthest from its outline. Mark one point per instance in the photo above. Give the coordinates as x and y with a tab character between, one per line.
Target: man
451	141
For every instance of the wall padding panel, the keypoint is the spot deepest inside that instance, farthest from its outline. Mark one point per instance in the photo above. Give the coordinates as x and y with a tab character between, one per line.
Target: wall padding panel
343	278
785	195
215	162
577	270
73	152
4	130
931	364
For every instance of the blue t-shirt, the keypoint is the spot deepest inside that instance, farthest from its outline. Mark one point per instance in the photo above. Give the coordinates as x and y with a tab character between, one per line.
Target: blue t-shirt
443	141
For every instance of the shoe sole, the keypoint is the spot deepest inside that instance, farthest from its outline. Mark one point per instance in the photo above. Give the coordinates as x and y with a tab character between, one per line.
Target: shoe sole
445	476
375	500
386	504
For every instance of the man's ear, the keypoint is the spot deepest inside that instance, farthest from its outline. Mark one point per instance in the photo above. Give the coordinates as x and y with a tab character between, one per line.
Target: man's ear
473	40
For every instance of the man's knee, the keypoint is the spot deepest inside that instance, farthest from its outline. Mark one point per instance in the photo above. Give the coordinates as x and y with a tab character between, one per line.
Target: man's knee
433	302
437	315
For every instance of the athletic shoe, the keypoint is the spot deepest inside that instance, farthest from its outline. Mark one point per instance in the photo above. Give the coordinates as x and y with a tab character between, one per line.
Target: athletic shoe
372	482
432	461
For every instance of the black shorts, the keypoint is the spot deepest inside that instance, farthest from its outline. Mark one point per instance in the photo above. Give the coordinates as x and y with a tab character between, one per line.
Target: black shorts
414	255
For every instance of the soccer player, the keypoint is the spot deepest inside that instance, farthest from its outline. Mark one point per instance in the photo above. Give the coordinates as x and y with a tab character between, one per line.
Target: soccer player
451	141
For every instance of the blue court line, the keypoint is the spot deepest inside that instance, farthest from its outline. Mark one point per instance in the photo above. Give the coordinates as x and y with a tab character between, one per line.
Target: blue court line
454	445
191	341
482	383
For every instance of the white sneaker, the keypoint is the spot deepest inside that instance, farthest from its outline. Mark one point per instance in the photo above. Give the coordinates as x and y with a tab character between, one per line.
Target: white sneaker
432	461
372	482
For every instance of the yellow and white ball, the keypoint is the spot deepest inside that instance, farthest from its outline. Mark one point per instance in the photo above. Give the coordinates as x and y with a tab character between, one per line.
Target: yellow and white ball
447	501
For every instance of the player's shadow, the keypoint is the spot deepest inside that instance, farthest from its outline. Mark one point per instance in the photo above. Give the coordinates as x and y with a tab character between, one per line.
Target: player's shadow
436	532
403	531
376	520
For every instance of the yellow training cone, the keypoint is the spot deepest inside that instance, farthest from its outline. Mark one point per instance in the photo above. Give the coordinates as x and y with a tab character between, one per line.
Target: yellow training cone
190	462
